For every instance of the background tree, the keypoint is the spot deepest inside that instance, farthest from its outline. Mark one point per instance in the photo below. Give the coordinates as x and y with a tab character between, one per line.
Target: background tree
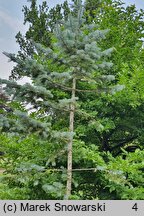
126	36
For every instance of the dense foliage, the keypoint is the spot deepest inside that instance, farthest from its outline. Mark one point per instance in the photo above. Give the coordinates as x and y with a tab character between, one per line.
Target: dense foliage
62	45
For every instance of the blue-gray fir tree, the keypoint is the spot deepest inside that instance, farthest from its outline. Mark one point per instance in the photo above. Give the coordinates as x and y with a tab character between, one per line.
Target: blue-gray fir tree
75	58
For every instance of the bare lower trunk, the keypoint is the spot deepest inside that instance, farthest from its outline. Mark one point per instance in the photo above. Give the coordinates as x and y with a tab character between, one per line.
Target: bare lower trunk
71	128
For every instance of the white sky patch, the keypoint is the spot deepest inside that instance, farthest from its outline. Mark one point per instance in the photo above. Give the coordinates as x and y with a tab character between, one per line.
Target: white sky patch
5	66
9	20
1	39
24	80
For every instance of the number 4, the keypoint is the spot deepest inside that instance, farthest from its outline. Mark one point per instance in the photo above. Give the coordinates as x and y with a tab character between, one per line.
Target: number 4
135	207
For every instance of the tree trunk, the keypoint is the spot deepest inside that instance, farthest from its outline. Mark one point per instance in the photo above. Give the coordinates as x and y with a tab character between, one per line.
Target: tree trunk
71	129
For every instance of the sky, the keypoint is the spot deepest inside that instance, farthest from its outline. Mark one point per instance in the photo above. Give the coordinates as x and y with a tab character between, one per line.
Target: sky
11	22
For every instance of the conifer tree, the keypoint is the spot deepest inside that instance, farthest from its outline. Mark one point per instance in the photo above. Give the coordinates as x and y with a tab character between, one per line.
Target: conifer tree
74	59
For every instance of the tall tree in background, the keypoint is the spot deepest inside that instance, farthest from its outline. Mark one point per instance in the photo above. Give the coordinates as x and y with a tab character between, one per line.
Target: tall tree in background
126	35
